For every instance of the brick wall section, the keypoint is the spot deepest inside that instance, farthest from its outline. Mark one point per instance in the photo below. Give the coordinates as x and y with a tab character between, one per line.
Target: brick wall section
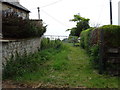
10	47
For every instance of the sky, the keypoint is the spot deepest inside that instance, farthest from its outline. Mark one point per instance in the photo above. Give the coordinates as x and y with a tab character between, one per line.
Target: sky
57	13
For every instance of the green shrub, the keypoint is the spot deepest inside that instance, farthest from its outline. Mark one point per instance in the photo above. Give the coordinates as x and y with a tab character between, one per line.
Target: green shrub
82	44
91	37
90	40
85	39
27	63
18	65
73	39
111	35
94	52
95	36
16	27
47	43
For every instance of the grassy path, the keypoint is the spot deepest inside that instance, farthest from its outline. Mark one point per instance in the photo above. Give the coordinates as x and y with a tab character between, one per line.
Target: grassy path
68	68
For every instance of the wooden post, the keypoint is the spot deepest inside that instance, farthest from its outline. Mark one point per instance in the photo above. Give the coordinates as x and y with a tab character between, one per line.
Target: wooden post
38	13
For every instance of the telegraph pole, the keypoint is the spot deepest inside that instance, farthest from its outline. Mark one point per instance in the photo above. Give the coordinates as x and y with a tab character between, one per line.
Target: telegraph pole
38	12
111	22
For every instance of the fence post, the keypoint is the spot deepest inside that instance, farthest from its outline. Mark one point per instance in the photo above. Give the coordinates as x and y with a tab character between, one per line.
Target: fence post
101	52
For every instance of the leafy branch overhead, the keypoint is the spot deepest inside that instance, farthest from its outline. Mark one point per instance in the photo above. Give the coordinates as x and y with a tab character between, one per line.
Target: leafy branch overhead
82	24
78	18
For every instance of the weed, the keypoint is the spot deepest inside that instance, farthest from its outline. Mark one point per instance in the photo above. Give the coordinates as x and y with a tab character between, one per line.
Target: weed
19	65
68	67
46	43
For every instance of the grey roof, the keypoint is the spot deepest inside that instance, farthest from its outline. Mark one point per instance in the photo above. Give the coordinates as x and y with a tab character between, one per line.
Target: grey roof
15	4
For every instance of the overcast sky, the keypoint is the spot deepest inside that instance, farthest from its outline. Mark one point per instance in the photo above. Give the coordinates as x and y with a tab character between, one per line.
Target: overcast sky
57	13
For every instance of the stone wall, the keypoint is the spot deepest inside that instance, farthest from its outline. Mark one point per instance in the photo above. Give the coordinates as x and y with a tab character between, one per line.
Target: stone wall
10	47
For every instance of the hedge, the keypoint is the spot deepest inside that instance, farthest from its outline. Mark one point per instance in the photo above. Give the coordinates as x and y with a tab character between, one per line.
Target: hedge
90	40
46	43
85	38
91	36
16	27
111	35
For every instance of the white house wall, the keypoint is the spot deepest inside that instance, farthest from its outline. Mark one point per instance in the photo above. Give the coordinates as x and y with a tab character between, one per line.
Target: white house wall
119	13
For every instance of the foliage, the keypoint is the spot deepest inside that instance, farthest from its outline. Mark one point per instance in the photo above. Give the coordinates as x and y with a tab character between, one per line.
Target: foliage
69	68
16	27
29	63
18	65
47	43
73	39
94	52
90	40
85	39
111	35
65	40
73	31
82	24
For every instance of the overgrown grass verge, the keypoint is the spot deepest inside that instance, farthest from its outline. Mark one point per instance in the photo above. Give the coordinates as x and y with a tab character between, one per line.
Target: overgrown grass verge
25	64
69	67
19	65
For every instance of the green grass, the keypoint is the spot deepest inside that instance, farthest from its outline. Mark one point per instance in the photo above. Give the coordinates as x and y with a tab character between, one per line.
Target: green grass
68	67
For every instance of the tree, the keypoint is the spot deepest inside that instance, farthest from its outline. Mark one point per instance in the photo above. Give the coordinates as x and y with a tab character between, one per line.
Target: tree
82	24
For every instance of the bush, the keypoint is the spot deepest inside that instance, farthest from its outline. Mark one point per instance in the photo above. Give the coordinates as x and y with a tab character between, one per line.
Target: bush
95	36
111	35
16	27
19	65
91	37
90	40
47	43
73	39
94	52
85	39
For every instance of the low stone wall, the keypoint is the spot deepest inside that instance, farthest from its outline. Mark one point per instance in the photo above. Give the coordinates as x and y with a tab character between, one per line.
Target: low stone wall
10	47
